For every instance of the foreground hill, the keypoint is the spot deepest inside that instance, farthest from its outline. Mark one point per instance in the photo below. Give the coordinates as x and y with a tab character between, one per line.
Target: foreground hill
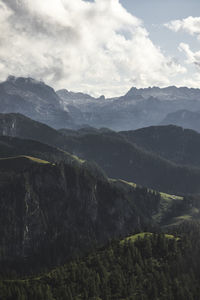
143	266
171	142
49	212
52	212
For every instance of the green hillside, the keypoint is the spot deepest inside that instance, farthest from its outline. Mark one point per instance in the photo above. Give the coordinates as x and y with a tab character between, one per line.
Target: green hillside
172	209
12	147
146	266
143	235
19	163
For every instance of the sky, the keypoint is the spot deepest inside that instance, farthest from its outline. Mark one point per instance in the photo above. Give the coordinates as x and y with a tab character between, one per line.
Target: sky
101	46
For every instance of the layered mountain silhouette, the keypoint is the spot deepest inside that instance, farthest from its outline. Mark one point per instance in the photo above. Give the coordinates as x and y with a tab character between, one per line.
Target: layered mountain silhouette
87	212
121	155
66	109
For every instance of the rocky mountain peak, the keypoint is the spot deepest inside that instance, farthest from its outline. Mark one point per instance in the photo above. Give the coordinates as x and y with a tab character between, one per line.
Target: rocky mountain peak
34	99
25	80
65	94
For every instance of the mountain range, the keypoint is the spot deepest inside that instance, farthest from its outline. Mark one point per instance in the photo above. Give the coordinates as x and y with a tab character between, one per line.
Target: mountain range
65	109
123	155
93	205
137	108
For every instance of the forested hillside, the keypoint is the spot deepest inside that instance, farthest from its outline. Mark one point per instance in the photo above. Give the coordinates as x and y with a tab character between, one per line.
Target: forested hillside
50	212
145	266
171	142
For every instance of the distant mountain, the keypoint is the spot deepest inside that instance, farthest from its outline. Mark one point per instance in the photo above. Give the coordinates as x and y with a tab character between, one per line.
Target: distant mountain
171	93
137	108
34	99
171	142
80	105
65	94
184	118
66	109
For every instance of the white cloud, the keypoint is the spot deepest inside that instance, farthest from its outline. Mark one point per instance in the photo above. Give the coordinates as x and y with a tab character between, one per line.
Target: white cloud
192	57
189	25
192	82
96	47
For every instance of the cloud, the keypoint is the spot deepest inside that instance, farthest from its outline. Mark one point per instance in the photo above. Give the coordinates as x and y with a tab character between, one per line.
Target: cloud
192	57
189	25
96	47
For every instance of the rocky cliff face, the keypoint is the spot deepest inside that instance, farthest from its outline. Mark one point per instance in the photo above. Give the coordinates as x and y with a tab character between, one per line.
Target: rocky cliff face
50	209
33	99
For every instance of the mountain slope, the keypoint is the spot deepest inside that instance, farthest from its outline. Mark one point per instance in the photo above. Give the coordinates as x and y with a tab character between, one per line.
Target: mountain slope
52	212
10	146
46	209
144	264
118	157
171	142
184	118
17	125
33	99
19	163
